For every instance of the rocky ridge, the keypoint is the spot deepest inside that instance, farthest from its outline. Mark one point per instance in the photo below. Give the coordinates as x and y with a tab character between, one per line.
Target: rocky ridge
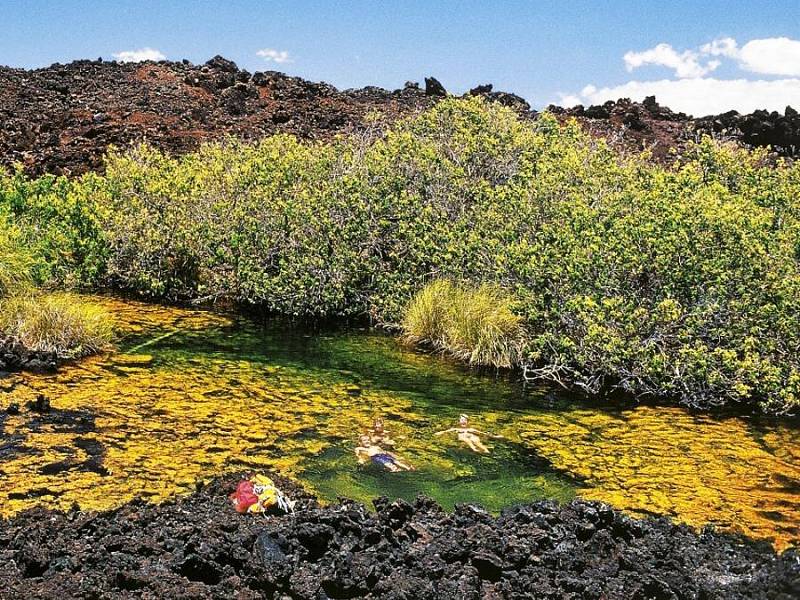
61	119
646	125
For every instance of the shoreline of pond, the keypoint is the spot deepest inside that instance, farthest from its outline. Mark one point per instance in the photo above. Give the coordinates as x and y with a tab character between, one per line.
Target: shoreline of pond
14	358
198	546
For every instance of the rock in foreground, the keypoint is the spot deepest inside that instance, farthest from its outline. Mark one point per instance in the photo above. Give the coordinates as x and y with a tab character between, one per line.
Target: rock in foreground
198	547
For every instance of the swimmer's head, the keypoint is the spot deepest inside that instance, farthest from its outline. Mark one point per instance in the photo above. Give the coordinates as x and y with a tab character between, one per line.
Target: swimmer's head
463	420
377	424
364	440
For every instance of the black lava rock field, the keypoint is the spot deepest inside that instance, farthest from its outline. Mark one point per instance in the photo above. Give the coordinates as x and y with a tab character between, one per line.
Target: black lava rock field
62	119
198	547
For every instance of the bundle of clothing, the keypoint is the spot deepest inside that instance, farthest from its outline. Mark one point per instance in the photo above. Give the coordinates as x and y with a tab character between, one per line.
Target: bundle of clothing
259	494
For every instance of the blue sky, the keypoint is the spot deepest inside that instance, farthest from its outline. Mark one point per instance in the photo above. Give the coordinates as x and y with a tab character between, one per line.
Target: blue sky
544	51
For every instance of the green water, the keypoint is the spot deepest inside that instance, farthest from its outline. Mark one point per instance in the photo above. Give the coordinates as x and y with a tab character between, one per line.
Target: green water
438	390
189	394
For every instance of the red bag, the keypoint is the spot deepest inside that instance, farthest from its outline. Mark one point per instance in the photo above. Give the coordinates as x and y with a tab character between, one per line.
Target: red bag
244	497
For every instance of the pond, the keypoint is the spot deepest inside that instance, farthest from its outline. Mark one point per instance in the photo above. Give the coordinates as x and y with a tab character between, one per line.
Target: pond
189	394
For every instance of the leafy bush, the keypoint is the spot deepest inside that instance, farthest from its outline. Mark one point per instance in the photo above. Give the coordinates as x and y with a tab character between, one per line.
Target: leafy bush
58	222
680	282
16	265
475	325
63	325
271	224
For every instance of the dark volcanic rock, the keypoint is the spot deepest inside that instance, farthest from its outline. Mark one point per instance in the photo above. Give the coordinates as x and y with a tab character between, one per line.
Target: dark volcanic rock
61	119
512	100
647	125
14	356
761	128
632	126
199	547
433	87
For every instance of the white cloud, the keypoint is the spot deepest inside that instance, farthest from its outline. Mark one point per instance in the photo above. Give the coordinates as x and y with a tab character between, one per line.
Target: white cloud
721	47
691	91
568	100
768	56
139	55
685	64
771	56
699	96
272	55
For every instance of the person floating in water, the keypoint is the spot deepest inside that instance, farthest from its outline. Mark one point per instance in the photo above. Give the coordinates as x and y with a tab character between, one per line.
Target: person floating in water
468	435
380	436
368	451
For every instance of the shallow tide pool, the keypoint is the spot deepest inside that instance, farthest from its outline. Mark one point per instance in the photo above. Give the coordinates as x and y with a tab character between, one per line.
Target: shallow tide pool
189	394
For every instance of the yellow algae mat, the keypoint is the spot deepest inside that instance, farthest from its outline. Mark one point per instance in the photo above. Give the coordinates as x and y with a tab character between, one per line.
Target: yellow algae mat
191	394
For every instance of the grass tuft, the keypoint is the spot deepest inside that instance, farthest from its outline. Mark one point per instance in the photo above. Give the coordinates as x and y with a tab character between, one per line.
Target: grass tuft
60	324
476	325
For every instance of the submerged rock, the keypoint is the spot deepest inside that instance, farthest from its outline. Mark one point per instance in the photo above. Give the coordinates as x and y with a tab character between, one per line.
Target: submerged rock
199	547
41	404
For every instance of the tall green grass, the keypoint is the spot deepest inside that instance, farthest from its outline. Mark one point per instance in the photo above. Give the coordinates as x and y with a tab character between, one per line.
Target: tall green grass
475	325
62	325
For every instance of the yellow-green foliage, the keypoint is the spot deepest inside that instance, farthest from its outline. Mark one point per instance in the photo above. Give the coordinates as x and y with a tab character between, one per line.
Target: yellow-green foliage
57	221
680	282
476	325
59	324
16	265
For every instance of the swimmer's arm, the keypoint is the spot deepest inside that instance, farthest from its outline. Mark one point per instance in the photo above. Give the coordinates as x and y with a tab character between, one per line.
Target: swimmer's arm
361	454
491	435
445	431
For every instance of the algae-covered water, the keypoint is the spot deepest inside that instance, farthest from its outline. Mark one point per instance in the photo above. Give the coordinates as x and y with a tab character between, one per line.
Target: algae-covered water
189	394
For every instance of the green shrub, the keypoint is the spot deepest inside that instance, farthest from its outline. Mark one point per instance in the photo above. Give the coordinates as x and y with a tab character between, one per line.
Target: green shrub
60	324
58	221
272	224
475	325
16	265
679	282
